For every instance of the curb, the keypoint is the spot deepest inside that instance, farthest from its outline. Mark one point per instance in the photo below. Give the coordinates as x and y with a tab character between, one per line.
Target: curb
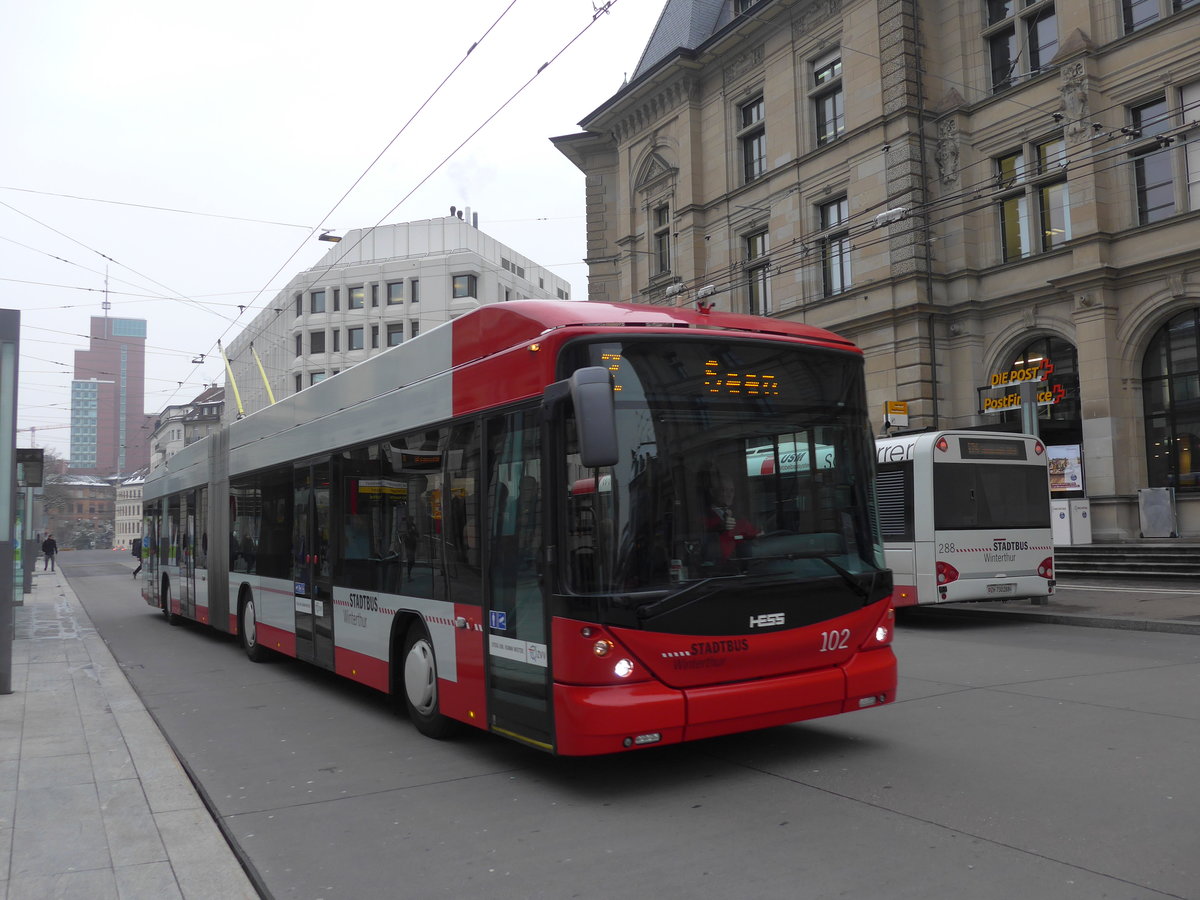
1166	626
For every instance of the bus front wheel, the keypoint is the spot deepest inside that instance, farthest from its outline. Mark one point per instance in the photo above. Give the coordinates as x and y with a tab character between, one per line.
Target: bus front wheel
248	632
420	686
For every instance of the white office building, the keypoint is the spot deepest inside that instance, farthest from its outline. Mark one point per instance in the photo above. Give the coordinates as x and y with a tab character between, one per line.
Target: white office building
374	289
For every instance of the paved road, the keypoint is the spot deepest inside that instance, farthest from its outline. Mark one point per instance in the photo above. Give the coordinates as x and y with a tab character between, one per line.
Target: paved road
1023	759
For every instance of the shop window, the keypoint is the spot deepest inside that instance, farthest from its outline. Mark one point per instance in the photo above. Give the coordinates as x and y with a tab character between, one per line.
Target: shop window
1171	403
1058	411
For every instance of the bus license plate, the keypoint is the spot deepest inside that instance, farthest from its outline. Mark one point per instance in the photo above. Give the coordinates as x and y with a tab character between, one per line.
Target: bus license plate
1001	588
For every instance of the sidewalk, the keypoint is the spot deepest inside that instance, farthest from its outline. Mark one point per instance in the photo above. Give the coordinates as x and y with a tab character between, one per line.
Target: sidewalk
93	802
1139	605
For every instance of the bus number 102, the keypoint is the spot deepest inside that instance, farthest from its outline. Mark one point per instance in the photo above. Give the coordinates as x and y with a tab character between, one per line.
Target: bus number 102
835	640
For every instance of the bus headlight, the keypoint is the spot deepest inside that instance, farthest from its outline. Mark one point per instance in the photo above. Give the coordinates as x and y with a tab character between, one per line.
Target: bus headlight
602	648
623	668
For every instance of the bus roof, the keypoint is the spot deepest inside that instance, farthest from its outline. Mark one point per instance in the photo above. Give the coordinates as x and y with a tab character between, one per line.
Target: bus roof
903	446
425	367
496	326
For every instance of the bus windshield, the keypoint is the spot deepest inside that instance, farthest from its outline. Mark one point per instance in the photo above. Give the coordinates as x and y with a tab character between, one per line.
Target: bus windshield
737	459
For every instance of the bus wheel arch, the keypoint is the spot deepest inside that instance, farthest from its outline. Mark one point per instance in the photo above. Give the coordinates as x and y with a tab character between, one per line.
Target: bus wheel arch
414	679
247	623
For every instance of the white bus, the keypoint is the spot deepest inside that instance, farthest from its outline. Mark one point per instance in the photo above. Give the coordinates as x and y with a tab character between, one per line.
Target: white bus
965	515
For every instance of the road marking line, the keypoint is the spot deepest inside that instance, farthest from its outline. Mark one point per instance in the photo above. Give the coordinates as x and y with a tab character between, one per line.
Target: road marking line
1132	590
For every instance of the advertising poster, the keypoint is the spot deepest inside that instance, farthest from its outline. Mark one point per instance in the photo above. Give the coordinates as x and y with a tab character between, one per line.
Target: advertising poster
1066	470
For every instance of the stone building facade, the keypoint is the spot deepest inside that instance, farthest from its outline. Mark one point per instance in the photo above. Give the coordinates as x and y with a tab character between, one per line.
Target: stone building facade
978	193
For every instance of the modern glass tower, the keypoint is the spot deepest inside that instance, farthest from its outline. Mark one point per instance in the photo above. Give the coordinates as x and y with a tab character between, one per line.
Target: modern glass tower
107	399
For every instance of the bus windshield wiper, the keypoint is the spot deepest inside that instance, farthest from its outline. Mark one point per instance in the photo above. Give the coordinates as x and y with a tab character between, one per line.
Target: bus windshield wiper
850	579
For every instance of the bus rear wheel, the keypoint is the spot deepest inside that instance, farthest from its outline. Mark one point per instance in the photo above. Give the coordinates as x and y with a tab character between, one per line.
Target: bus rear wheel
171	617
420	686
248	632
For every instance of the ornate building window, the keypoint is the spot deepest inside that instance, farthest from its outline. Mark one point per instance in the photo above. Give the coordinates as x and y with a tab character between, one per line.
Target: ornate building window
1153	175
1021	42
758	267
1033	178
835	247
662	239
752	138
828	100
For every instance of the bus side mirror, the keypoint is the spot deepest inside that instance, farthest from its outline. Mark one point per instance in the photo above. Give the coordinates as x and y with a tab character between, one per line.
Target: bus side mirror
595	416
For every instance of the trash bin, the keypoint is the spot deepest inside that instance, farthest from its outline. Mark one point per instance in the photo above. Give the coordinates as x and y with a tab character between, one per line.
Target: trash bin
1081	521
1060	522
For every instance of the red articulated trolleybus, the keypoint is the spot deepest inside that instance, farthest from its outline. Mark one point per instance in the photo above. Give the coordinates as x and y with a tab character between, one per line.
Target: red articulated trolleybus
586	527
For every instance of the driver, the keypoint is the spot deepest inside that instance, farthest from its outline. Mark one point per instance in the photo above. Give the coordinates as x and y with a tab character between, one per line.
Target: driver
723	521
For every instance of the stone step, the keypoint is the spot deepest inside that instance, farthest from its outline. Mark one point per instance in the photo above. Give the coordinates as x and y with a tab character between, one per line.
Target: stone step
1129	560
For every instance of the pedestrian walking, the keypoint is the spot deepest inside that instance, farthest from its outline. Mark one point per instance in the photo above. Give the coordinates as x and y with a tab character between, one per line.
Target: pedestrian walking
49	550
136	549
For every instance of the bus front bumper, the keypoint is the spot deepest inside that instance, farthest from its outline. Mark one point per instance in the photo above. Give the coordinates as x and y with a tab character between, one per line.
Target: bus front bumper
612	718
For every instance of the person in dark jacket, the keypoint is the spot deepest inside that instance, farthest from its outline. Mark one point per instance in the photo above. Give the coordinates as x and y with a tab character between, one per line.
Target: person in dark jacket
49	550
136	549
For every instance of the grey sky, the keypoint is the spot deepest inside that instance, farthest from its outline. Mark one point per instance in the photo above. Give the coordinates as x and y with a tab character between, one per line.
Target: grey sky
254	117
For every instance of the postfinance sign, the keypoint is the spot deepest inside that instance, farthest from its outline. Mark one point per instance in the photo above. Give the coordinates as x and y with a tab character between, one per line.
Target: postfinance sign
1048	396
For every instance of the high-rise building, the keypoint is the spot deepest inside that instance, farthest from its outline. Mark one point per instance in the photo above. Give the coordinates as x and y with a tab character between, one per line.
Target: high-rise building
979	194
107	399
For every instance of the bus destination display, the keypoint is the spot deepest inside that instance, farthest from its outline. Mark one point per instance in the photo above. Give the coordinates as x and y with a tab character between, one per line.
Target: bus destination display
976	448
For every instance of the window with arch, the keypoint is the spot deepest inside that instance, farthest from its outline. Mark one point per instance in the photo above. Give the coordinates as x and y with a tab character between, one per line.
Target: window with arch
1059	421
1171	403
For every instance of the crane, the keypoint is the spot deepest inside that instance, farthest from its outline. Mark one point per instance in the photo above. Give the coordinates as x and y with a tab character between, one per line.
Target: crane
34	429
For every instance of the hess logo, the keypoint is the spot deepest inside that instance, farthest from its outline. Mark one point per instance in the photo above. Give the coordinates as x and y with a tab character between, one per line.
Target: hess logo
766	620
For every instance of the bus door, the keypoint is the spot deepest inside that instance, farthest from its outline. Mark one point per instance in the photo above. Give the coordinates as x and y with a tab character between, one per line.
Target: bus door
518	663
311	566
187	558
151	521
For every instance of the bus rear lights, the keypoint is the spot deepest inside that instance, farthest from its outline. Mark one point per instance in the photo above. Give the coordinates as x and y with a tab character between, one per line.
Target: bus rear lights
602	648
1046	568
1038	449
946	573
641	740
942	444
